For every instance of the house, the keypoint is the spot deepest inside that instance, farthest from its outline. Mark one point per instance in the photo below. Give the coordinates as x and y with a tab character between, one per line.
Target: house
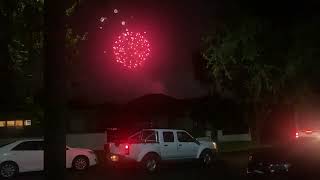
149	111
196	115
18	124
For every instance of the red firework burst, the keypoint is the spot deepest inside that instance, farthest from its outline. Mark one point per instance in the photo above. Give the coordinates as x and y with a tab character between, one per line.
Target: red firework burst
131	49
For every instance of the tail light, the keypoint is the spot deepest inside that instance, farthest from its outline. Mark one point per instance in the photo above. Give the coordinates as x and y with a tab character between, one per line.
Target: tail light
297	135
308	131
127	149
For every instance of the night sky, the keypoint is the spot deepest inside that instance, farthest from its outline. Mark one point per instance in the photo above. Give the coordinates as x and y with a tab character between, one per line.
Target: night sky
174	31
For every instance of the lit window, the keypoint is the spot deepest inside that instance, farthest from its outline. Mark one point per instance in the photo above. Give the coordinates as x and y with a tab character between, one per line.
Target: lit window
10	123
19	123
27	122
2	124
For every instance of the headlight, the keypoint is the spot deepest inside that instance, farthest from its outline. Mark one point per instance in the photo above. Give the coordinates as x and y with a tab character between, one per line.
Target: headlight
214	145
114	158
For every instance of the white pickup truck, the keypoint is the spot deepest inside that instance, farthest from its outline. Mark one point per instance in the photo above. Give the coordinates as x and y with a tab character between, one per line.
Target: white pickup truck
150	146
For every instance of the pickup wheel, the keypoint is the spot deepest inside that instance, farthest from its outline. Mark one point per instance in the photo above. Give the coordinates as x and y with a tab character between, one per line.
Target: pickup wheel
150	163
206	158
8	170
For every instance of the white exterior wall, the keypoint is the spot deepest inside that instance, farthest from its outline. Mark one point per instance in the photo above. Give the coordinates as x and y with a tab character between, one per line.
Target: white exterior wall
94	141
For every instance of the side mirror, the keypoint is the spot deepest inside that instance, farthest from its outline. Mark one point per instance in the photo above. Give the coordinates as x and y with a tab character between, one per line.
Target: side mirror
196	141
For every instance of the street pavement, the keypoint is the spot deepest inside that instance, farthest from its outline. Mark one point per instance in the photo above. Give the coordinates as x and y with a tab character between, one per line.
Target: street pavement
229	166
183	171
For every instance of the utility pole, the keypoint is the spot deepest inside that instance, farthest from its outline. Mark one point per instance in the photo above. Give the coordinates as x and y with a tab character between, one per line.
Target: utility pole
55	90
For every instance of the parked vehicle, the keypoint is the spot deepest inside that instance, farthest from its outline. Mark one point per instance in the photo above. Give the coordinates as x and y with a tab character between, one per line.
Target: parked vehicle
27	156
149	147
298	157
309	133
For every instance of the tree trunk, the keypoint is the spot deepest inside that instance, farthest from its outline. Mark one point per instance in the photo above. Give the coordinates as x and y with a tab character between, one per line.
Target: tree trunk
256	124
55	90
261	113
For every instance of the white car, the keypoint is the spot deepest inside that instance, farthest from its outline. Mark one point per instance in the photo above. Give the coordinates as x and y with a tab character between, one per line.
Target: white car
27	156
150	146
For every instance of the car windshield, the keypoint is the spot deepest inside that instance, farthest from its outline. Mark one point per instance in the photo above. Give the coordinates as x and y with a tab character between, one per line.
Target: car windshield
6	143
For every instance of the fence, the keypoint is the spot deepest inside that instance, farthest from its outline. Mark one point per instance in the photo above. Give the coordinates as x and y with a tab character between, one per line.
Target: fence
94	141
233	137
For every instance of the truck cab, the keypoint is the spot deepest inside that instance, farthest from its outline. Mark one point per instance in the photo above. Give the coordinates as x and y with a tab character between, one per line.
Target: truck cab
148	147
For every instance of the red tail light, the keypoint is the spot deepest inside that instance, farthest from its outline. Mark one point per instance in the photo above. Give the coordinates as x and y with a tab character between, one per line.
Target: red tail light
297	135
127	149
308	131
